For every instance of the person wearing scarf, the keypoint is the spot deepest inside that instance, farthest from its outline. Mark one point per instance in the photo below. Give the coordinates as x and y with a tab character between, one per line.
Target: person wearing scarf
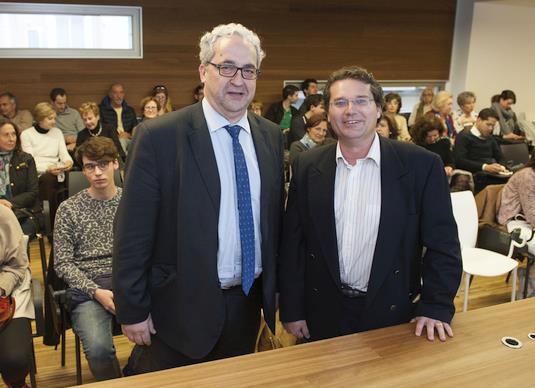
316	132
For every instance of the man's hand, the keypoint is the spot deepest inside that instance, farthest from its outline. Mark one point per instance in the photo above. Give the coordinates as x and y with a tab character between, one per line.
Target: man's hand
298	329
140	333
513	136
431	325
105	298
125	135
448	170
494	168
71	146
70	139
6	203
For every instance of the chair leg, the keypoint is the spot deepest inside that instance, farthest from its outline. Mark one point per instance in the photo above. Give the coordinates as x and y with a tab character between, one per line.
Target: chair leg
513	291
33	368
42	252
78	360
466	288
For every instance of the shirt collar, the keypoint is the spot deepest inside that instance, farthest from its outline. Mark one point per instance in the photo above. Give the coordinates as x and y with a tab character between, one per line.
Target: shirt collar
216	121
374	153
474	131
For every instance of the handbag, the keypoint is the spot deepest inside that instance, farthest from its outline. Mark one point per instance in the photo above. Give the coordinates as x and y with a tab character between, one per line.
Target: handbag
7	310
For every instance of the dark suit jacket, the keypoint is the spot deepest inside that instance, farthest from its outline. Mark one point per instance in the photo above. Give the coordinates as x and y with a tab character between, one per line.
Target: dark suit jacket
166	236
275	112
415	212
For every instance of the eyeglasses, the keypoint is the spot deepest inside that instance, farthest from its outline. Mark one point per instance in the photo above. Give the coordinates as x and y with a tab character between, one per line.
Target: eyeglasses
361	102
159	88
101	164
229	71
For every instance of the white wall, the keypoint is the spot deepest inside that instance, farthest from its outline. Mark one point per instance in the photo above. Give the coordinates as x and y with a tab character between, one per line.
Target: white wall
500	53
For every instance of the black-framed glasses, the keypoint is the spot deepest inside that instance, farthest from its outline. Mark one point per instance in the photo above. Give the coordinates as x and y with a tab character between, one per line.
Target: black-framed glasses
230	70
101	164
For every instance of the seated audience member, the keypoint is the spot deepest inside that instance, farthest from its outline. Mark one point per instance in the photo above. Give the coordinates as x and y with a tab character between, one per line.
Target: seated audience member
477	151
309	87
442	106
150	108
83	240
94	128
19	188
117	114
47	146
68	120
509	129
281	112
198	93
426	132
256	107
386	128
316	131
423	106
15	280
517	208
161	93
391	109
313	104
8	108
466	115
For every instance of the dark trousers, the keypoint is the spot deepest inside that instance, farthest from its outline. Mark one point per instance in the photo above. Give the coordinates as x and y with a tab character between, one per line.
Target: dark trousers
352	309
238	337
48	190
16	351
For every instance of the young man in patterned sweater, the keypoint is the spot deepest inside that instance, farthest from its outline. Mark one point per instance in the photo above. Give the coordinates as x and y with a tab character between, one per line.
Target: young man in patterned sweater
83	241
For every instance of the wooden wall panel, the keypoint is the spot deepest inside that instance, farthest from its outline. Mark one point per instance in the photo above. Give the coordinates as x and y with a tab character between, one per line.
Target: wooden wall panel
408	40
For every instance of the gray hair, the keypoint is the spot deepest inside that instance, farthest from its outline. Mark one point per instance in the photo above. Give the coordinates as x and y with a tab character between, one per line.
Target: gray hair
209	40
463	98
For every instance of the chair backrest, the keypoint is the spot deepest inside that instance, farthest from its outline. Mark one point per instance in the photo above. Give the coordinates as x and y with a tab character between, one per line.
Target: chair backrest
465	213
78	182
515	154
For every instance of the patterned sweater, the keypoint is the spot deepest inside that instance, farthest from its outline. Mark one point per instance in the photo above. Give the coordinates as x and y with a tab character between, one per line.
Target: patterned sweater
83	240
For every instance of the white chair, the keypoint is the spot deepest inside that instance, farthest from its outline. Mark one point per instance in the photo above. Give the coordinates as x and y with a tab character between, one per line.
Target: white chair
477	261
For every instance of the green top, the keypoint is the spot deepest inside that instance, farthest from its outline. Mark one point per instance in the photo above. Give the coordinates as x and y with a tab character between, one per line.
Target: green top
286	119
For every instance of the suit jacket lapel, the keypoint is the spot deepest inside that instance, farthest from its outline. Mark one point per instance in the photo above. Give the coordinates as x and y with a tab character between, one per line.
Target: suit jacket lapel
265	158
320	184
203	152
392	219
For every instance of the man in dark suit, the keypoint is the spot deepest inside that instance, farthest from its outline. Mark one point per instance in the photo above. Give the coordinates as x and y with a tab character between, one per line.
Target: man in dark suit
197	229
359	213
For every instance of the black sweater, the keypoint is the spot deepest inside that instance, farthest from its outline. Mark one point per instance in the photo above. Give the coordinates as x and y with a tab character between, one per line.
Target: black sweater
471	152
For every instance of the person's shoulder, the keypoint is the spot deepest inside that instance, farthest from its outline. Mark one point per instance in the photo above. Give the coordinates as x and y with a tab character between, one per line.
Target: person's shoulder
408	152
173	123
263	123
319	154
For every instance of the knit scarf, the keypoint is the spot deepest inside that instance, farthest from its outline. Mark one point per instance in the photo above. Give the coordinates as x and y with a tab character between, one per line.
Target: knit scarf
308	142
5	158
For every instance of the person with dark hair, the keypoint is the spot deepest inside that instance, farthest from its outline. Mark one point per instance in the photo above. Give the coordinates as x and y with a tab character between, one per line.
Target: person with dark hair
68	120
426	132
309	87
517	209
94	127
466	115
83	241
15	293
161	93
8	108
19	187
358	215
387	128
509	129
281	112
477	151
117	114
316	132
391	109
423	106
198	92
313	104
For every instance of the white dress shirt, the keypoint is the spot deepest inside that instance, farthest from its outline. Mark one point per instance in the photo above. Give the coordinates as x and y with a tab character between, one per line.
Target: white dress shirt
229	250
357	209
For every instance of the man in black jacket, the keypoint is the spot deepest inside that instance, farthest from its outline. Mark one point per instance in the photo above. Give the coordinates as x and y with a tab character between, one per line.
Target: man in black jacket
115	112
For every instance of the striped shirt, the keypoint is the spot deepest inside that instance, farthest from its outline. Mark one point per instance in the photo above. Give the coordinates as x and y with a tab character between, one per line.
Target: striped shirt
357	207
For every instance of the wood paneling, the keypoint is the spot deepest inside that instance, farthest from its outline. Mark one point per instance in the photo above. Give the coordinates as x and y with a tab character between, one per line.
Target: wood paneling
303	38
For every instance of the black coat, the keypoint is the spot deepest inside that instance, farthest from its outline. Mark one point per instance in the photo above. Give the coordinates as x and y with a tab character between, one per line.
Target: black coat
24	183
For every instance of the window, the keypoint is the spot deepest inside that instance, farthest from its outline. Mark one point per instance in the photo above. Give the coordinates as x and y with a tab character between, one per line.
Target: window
70	31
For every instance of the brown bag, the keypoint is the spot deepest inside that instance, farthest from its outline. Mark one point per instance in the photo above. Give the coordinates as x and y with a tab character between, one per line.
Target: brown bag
7	310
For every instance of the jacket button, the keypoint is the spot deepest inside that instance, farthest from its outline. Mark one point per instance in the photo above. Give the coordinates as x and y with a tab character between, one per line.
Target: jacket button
312	256
393	307
315	289
12	184
396	272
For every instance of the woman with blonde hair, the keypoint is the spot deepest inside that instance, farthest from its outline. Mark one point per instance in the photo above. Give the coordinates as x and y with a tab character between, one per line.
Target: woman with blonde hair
161	93
424	106
442	106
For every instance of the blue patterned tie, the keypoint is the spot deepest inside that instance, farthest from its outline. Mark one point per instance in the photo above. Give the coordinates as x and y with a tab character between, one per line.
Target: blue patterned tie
245	210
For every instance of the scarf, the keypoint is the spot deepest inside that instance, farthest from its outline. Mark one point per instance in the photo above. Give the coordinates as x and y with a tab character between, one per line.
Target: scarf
308	142
5	158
